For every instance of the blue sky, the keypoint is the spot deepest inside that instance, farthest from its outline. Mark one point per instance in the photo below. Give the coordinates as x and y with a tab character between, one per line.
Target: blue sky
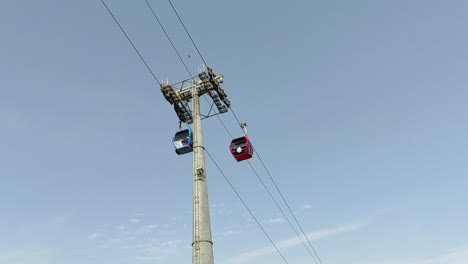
358	108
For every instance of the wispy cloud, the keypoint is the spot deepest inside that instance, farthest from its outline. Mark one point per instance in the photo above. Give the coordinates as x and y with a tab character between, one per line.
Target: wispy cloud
229	233
271	221
220	209
134	220
148	258
139	237
61	219
28	256
248	217
307	206
453	256
147	229
156	249
94	235
250	256
217	205
174	243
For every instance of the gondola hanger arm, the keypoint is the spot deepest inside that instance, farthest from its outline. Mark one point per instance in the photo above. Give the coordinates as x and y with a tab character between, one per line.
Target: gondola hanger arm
244	127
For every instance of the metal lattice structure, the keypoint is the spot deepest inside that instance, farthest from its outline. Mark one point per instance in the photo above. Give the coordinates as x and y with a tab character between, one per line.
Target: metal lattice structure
181	93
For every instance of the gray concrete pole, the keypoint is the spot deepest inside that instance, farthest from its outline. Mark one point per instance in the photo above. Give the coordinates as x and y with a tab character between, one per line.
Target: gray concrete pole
202	246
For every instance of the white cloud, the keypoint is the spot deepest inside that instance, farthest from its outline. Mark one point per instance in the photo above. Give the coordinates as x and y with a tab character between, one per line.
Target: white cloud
61	220
174	243
134	220
307	206
28	256
248	217
143	230
218	205
272	221
223	211
138	236
229	233
159	248
250	256
94	235
454	256
148	258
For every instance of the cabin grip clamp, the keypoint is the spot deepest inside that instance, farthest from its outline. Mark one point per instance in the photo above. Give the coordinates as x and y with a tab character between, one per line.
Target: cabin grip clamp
244	127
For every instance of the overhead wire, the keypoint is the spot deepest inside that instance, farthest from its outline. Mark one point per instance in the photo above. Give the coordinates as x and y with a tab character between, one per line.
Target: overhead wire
176	50
131	42
245	205
283	198
273	198
230	184
168	38
211	157
157	80
289	208
282	212
193	42
178	53
263	164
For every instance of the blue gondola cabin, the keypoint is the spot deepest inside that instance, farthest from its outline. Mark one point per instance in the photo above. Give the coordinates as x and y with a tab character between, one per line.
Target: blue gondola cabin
241	148
183	141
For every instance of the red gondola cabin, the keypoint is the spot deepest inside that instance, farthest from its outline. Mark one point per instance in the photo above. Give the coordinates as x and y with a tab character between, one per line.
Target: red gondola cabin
241	148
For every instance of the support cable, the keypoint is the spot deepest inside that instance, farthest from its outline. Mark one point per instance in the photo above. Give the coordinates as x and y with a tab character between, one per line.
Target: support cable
168	38
289	208
273	198
193	42
157	80
282	197
282	212
131	42
173	46
227	130
235	116
264	166
245	205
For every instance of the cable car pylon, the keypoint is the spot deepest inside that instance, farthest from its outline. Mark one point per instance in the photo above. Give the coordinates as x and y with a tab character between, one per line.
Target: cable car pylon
178	95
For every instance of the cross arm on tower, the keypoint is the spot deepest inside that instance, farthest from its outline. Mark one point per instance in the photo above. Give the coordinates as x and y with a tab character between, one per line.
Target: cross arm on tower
207	82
